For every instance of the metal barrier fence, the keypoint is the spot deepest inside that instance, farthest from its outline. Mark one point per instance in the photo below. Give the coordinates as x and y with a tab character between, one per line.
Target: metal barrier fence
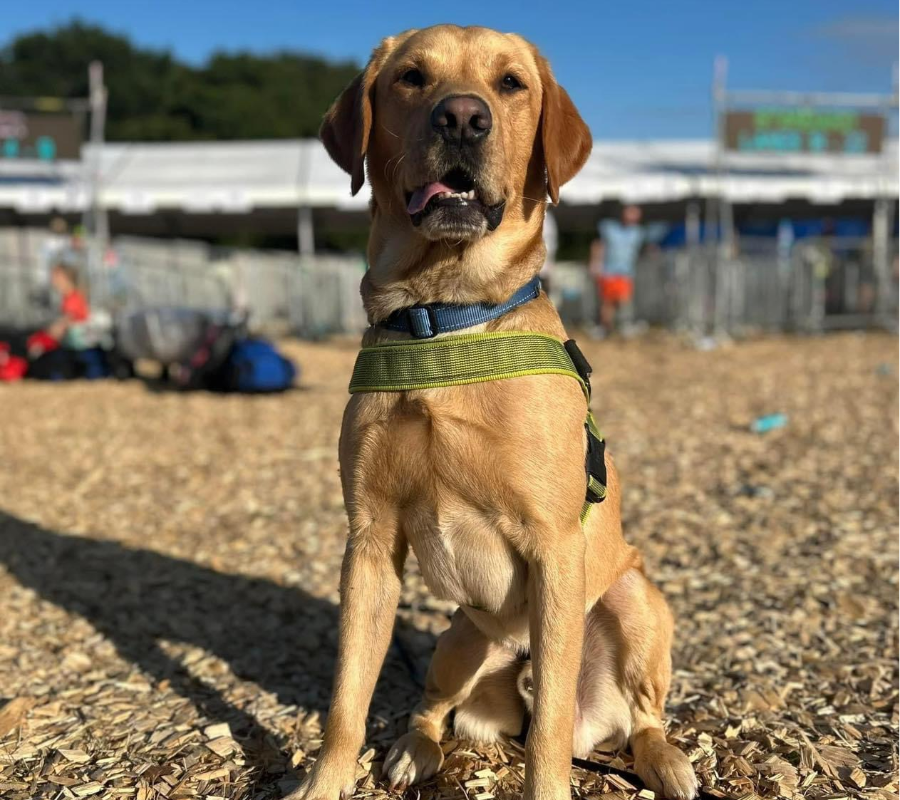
283	292
815	285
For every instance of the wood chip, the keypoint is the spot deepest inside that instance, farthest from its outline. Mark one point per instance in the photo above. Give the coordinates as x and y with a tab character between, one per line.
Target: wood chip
86	789
12	714
223	746
77	756
858	778
211	775
218	731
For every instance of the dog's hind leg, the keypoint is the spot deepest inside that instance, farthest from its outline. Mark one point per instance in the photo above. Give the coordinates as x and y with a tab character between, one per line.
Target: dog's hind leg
494	708
623	682
640	623
602	711
465	662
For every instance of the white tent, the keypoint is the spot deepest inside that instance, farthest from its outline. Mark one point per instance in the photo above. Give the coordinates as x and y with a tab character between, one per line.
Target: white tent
237	177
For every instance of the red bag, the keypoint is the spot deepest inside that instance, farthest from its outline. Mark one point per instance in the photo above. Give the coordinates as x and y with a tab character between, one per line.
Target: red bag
43	340
12	368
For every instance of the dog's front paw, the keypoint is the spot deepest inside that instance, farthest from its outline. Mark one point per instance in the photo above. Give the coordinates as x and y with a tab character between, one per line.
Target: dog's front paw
667	771
326	781
413	758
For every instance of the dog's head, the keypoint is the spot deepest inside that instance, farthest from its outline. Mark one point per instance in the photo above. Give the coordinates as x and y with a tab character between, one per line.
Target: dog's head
463	129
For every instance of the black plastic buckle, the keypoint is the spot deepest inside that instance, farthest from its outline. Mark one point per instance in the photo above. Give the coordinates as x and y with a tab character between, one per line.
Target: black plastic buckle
595	464
422	322
582	367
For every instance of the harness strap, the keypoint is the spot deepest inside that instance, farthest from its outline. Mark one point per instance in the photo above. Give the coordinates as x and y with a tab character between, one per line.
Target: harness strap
481	357
457	360
427	321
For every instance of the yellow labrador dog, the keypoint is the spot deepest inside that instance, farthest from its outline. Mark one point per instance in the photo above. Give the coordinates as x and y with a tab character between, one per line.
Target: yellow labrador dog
465	134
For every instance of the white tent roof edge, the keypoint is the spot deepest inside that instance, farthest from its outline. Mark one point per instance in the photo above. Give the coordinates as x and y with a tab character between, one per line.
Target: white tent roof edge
236	177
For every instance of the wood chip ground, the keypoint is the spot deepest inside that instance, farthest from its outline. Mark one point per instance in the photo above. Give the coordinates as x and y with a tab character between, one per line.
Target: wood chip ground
169	568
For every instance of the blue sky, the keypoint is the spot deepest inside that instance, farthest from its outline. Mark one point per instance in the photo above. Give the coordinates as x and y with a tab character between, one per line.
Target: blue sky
636	69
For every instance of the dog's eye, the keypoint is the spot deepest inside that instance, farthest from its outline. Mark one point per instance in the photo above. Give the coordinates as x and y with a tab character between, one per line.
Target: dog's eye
413	77
510	83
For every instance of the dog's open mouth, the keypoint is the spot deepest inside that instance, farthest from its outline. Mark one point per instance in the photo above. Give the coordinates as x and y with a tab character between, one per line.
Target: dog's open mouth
457	197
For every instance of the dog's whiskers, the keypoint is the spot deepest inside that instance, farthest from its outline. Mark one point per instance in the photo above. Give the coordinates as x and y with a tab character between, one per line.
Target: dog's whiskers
397	166
399	160
532	199
399	157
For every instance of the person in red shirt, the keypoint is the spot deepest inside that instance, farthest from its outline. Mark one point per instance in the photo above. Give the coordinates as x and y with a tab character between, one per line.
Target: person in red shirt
74	308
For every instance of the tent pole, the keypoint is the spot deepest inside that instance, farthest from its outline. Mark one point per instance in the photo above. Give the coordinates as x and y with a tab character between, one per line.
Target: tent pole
98	229
720	204
882	214
306	240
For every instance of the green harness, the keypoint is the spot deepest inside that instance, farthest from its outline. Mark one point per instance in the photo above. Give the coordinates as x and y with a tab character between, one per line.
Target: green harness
477	358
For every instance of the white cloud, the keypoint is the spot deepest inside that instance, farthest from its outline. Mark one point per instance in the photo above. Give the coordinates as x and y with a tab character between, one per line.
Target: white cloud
872	38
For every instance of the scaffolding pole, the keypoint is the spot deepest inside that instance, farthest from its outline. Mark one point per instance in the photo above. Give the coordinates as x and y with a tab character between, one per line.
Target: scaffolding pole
718	210
882	217
305	232
96	218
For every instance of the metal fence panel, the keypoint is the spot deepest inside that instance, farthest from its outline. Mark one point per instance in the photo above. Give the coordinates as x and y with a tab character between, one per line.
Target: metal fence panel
282	292
814	285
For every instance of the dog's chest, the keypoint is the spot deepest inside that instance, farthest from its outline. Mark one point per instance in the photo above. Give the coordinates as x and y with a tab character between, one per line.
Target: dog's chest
465	558
451	515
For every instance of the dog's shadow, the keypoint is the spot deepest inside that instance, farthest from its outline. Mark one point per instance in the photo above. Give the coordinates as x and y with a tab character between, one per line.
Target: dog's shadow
280	638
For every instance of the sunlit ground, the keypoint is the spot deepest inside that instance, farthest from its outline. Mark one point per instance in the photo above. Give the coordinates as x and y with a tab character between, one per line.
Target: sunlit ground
169	567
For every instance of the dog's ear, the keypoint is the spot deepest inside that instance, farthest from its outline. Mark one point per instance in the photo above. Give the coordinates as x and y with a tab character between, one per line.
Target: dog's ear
347	124
565	137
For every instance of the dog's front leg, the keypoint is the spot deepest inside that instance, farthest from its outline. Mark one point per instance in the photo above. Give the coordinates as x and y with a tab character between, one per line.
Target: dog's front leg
556	608
370	590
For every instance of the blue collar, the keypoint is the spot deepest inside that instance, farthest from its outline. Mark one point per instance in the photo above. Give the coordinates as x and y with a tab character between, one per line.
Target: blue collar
427	321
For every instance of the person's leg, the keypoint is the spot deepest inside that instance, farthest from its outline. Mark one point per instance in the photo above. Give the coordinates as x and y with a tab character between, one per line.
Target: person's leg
608	314
599	295
625	309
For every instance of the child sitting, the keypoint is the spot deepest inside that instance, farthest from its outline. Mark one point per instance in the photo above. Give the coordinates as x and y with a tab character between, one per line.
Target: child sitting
55	353
66	329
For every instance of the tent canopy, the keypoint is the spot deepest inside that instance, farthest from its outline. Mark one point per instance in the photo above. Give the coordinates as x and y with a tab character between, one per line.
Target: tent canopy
236	177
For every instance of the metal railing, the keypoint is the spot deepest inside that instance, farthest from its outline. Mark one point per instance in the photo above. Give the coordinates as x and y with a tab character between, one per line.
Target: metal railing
815	285
282	292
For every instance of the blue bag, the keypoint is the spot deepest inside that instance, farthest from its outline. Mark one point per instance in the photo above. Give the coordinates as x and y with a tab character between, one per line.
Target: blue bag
254	365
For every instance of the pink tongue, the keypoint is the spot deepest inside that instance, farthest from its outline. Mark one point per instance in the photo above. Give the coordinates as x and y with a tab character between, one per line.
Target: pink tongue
421	196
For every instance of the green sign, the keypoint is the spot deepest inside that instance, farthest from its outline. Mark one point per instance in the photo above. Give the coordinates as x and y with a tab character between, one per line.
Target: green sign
803	130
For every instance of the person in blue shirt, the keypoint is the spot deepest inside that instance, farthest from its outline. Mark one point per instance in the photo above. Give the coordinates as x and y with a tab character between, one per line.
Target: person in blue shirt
613	259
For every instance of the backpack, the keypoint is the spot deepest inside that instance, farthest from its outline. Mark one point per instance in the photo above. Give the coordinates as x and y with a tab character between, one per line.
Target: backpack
205	367
254	365
166	334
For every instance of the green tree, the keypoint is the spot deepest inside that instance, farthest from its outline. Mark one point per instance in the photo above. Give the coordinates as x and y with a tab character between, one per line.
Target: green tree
155	97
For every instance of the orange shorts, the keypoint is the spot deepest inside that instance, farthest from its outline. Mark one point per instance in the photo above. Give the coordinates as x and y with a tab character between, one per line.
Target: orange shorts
615	288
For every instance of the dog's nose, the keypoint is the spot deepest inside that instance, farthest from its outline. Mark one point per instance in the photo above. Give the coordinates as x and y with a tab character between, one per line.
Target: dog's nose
462	118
